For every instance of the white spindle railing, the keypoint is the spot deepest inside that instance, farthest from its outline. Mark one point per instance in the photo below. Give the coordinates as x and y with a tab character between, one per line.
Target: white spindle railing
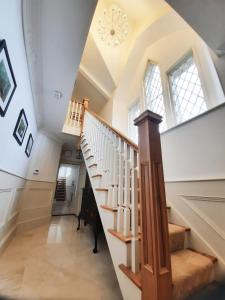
117	162
74	118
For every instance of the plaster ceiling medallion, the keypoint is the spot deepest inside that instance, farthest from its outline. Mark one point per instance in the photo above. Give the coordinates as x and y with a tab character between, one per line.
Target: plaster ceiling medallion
113	26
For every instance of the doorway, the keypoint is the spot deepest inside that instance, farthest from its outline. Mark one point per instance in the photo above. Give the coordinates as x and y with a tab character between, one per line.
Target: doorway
66	190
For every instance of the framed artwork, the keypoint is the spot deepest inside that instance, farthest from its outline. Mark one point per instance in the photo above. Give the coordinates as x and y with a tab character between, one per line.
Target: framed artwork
21	127
29	146
7	79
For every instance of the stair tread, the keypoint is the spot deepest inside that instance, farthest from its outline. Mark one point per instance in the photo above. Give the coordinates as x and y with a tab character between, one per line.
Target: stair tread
191	271
174	231
101	190
120	236
186	265
134	277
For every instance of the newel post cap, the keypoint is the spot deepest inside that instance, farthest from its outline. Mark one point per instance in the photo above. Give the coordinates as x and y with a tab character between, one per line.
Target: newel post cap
148	115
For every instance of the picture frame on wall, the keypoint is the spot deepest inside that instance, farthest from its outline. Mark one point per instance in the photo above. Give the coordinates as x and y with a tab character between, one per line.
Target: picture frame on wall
7	80
29	146
21	127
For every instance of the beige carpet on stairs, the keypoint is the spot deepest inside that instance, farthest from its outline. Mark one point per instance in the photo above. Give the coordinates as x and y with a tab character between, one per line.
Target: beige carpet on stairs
176	236
191	271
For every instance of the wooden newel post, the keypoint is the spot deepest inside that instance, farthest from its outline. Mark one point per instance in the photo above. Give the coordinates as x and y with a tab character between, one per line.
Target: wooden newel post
85	103
156	264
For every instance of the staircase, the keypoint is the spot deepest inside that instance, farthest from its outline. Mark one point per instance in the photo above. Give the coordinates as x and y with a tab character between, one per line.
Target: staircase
150	254
60	191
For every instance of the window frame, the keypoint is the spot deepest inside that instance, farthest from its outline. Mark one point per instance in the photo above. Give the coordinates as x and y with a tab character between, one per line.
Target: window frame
211	86
176	65
144	97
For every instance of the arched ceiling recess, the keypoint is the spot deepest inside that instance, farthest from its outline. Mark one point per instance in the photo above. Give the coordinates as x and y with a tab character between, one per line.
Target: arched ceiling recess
140	14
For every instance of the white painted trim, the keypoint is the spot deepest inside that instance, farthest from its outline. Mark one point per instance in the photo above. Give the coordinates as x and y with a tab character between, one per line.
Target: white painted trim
40	189
25	179
202	215
36	208
6	190
29	224
203	198
174	180
14	215
95	83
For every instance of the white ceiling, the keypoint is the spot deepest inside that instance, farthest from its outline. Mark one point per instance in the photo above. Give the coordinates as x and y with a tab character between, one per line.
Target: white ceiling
55	35
140	10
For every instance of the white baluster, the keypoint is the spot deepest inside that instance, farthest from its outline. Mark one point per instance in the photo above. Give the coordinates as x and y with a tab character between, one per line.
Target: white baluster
126	175
135	262
120	219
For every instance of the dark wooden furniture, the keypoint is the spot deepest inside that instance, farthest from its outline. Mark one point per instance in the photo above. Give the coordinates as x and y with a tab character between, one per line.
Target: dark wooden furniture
89	213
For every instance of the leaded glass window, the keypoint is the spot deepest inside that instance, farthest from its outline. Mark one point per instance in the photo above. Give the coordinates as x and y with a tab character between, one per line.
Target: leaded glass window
186	89
154	93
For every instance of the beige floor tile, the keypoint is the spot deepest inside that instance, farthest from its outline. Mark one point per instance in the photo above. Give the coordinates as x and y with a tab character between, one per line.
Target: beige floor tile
55	262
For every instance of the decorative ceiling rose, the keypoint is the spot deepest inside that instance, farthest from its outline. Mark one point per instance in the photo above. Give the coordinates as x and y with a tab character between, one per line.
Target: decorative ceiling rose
113	26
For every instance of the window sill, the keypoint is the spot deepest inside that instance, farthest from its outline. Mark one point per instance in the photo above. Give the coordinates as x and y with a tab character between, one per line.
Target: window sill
193	119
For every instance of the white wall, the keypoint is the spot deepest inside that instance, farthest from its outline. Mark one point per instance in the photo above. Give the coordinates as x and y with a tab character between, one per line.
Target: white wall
22	194
195	150
13	158
45	158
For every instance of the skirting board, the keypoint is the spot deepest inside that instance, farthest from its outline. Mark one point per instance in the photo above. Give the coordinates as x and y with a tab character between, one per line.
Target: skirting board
7	238
30	224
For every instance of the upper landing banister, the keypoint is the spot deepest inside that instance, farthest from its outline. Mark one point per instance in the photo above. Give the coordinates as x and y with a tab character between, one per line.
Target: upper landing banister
117	132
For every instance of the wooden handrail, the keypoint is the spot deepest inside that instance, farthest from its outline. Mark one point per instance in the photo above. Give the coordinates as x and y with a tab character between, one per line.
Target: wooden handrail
117	132
156	265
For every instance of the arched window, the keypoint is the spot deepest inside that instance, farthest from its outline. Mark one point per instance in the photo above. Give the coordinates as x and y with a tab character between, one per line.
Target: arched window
153	92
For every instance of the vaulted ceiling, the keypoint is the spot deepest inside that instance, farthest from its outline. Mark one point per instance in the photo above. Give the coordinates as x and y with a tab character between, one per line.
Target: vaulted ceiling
103	65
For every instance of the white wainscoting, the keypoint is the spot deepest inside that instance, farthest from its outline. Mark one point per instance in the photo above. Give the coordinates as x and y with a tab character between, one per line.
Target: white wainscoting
210	209
36	204
23	204
11	191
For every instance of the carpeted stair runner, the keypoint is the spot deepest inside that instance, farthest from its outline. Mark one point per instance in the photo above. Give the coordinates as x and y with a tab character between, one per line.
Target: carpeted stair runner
191	271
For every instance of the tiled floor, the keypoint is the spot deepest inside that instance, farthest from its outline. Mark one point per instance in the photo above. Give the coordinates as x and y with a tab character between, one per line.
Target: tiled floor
56	262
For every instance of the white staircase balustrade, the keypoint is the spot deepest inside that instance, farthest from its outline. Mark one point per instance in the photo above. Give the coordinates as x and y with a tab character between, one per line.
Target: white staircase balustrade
115	160
74	118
